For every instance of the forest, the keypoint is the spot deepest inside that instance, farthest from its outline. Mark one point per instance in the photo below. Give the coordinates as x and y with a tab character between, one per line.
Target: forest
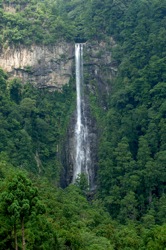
127	210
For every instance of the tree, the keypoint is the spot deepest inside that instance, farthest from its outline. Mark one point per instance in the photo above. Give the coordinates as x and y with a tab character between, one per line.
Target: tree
128	207
20	202
82	183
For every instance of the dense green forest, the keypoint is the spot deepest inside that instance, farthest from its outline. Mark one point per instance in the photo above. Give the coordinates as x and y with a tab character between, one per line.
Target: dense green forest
129	206
32	124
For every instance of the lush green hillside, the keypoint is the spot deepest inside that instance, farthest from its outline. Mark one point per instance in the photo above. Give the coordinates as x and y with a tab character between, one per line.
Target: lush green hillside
32	21
129	207
133	151
63	219
33	124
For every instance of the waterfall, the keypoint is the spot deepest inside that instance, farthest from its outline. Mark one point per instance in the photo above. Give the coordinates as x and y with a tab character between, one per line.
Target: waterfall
82	162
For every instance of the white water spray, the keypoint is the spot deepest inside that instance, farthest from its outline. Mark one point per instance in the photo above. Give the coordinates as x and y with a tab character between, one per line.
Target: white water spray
82	148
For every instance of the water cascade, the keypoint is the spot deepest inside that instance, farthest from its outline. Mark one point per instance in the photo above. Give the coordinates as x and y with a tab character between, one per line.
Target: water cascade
82	162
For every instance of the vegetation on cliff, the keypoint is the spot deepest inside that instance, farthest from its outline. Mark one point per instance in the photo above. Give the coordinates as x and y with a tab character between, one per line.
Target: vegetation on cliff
128	211
33	123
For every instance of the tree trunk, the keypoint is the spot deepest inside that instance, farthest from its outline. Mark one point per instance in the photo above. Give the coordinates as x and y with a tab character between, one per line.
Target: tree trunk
23	234
15	237
150	197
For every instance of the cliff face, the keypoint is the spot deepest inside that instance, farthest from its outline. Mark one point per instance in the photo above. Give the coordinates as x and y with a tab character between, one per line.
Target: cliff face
52	67
43	66
99	68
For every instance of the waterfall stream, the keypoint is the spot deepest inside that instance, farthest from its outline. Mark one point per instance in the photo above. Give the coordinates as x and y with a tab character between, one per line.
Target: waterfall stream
82	162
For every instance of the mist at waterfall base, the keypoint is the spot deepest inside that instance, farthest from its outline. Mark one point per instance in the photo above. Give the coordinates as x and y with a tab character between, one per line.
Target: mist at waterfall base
82	161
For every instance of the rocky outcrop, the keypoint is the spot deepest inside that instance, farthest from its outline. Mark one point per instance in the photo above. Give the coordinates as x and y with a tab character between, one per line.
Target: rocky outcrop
52	66
14	6
9	8
99	69
43	66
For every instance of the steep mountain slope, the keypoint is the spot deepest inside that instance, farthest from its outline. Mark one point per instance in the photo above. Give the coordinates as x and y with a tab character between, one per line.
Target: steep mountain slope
132	155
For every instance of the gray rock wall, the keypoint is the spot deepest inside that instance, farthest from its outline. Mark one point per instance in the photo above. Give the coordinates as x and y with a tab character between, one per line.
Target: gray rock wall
43	66
52	66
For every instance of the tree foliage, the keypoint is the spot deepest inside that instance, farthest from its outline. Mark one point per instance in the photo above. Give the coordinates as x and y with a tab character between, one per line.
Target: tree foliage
31	125
132	166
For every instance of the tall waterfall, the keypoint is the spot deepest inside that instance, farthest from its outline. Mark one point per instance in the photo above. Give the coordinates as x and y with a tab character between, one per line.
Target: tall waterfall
82	162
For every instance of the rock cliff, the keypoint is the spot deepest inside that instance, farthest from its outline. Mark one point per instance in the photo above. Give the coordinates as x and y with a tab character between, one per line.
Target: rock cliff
99	68
43	66
52	66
